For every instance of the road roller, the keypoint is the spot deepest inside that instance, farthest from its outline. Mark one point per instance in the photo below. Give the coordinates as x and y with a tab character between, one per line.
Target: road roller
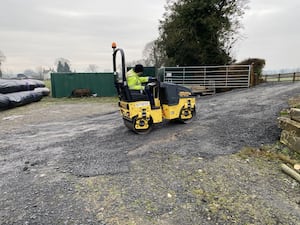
169	101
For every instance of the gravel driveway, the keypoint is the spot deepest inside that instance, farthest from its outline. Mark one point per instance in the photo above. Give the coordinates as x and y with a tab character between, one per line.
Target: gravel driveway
78	164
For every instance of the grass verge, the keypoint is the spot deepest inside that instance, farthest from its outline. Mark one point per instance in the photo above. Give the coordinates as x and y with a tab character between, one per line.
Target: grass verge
276	151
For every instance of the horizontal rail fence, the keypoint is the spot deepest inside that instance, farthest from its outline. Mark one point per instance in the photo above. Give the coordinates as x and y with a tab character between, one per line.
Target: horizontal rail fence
231	76
282	77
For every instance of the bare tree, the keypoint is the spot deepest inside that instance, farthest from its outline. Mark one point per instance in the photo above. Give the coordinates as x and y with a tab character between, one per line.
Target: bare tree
2	59
92	68
30	73
152	55
40	73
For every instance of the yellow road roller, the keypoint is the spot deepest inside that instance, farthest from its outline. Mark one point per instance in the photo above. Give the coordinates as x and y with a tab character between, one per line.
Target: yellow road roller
170	101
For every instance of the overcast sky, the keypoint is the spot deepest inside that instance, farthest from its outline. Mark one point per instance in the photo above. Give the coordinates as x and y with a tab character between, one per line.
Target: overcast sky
34	33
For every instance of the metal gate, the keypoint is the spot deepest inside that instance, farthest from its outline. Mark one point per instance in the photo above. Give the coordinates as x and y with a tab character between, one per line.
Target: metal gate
208	77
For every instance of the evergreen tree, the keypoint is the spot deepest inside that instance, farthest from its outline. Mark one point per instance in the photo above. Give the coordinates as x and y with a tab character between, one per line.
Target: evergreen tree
67	68
200	32
60	67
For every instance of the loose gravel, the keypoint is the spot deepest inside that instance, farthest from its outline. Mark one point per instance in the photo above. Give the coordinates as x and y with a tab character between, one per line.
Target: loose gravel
78	164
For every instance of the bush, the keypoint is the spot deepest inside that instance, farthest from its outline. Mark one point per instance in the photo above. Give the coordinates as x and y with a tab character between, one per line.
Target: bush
258	65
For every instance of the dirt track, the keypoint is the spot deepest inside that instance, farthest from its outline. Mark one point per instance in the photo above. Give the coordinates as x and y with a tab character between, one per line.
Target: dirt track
78	164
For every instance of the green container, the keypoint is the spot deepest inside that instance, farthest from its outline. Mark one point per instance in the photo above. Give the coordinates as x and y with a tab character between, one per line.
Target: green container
100	84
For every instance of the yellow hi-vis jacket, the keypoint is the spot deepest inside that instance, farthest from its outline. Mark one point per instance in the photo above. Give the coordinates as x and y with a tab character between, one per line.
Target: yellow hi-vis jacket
134	81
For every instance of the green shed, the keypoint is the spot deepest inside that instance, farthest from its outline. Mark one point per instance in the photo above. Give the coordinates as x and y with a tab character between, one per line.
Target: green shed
100	84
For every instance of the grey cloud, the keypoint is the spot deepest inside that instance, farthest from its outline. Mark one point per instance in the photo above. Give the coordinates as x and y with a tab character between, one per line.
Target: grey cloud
83	30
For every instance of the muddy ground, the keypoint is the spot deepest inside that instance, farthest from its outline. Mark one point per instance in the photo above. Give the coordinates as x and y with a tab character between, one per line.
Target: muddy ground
64	163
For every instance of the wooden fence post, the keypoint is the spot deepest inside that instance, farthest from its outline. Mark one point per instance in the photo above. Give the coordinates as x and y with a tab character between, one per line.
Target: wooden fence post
294	77
252	76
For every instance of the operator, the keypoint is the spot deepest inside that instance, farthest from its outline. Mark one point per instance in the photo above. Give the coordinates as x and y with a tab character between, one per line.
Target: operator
135	81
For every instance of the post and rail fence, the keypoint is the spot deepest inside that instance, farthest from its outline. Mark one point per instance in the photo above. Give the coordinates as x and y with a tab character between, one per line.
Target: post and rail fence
282	77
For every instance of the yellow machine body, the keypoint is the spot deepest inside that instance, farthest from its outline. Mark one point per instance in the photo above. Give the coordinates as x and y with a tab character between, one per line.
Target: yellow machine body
139	116
141	110
183	110
169	101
